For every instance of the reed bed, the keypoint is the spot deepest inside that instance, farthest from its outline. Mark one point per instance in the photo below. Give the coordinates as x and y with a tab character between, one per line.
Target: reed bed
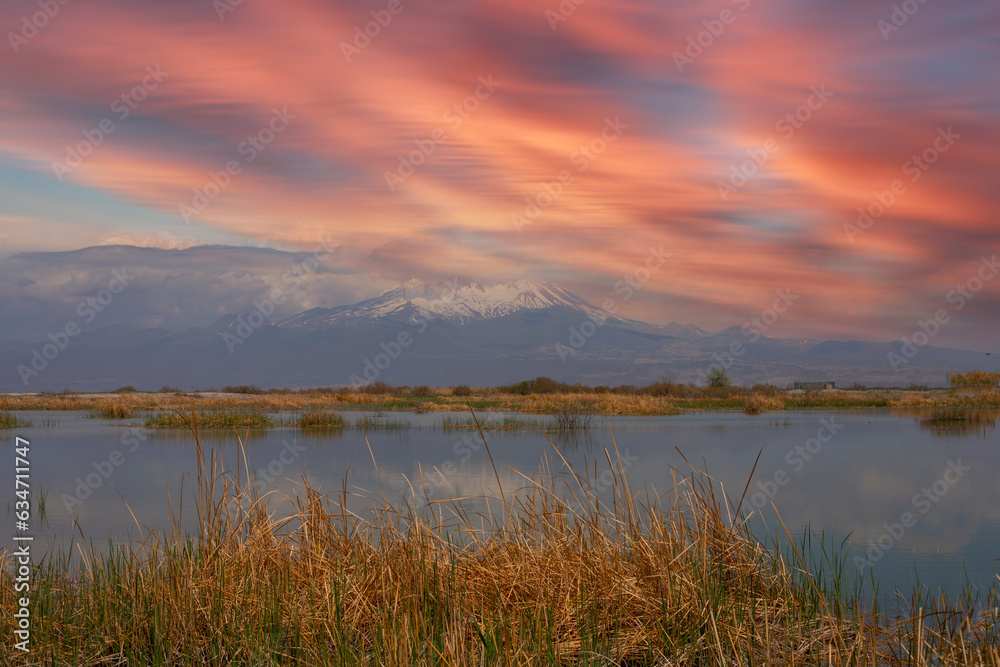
758	403
487	423
8	420
974	379
115	409
986	399
229	419
552	575
602	404
380	422
489	400
321	420
215	419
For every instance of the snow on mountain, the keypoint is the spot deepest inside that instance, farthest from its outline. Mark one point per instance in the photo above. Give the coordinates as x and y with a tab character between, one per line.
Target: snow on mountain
461	304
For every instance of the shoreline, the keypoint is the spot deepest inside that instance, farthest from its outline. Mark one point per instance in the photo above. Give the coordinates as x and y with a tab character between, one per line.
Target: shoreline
604	404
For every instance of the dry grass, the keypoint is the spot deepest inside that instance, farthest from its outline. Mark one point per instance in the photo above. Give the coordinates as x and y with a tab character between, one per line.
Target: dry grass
988	399
208	419
115	409
318	419
556	576
603	404
974	379
758	403
489	401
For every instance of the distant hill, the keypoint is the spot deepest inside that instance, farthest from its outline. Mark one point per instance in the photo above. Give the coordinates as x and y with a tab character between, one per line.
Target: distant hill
444	334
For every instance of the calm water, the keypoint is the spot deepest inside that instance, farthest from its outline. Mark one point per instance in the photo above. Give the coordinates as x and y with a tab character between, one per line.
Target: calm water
918	500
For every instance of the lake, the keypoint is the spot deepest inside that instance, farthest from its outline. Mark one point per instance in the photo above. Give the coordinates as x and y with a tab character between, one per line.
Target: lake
912	498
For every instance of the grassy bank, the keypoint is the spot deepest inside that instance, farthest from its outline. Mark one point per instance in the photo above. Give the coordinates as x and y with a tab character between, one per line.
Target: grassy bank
609	404
558	576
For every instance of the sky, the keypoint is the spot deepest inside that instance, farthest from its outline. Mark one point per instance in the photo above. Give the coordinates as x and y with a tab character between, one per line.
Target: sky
845	151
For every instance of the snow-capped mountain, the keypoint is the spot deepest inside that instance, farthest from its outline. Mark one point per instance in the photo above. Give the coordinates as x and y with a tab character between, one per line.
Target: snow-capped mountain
459	303
472	332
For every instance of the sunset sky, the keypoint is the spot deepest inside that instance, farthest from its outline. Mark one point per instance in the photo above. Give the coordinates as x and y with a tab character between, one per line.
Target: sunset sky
546	141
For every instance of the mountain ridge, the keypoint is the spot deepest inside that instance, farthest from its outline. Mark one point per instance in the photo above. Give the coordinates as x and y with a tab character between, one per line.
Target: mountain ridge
454	333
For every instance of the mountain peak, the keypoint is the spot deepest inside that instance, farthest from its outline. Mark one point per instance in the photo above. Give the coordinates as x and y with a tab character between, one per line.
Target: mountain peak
459	302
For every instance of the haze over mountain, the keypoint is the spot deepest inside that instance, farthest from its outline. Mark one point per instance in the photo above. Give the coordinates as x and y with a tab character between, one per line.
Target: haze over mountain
456	332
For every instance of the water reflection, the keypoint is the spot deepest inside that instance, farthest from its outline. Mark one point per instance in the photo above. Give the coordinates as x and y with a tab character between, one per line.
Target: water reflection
850	474
950	421
575	440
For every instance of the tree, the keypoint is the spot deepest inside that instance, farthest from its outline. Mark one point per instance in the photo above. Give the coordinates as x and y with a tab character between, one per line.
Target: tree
717	378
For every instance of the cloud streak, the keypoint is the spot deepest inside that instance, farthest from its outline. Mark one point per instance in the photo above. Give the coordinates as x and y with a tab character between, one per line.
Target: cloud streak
656	184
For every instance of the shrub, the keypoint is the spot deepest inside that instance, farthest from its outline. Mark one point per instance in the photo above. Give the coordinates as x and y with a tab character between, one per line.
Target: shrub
127	389
461	390
317	390
716	392
974	379
662	388
543	385
242	389
758	403
571	420
377	387
717	378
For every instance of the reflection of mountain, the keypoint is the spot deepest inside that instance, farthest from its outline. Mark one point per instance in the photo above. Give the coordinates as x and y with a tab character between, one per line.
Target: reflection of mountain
446	334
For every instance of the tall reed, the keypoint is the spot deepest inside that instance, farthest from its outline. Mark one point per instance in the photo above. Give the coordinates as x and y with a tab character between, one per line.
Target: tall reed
563	570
